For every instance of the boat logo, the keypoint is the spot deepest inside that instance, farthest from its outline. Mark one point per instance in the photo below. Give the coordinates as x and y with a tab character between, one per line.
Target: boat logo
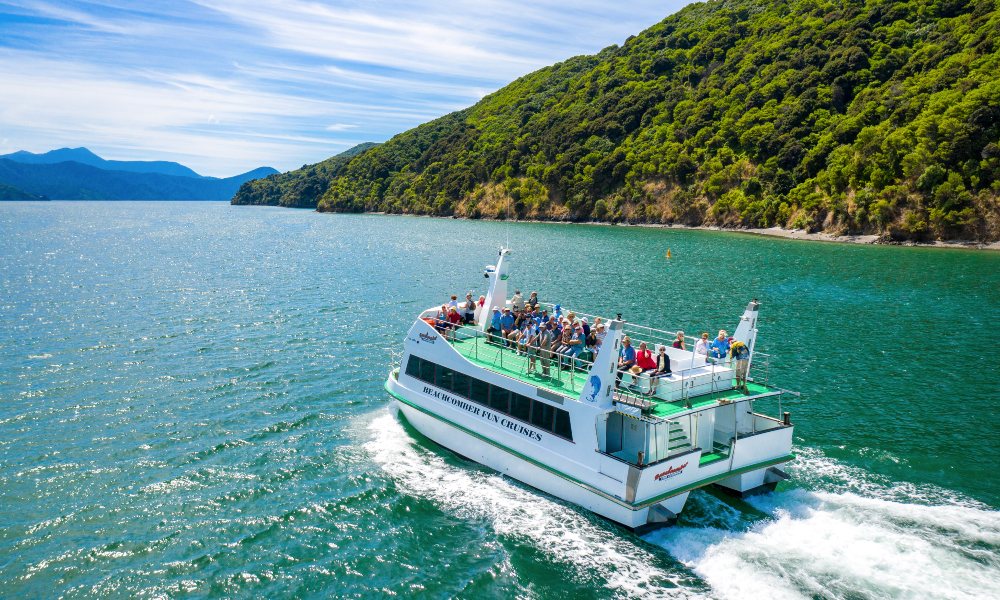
430	339
671	472
593	388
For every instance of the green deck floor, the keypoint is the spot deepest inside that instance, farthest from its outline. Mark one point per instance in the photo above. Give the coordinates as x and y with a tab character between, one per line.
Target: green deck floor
506	361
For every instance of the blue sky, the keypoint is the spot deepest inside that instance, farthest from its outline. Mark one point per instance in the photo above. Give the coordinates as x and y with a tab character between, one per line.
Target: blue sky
224	86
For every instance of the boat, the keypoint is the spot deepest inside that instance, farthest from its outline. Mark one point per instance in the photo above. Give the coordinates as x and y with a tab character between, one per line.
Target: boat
623	445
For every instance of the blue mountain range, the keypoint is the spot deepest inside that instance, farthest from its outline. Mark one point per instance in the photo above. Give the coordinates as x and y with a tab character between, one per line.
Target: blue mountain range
79	174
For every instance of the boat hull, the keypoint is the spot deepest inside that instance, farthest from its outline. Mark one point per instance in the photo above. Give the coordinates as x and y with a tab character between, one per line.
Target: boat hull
517	468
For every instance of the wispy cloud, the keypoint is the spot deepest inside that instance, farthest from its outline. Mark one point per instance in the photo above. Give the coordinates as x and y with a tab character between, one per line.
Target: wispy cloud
227	85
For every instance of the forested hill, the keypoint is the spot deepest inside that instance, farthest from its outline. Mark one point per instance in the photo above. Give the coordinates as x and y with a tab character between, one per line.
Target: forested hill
847	116
301	188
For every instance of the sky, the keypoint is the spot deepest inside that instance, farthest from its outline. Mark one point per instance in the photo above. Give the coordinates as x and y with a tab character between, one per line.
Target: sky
224	86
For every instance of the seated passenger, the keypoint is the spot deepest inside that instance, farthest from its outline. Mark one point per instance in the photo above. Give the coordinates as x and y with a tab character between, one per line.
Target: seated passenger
495	326
719	347
533	300
586	326
441	319
662	368
701	346
626	359
679	341
644	361
453	320
506	324
453	303
599	335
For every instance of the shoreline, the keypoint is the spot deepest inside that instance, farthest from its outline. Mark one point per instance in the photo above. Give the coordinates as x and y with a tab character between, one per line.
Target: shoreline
776	232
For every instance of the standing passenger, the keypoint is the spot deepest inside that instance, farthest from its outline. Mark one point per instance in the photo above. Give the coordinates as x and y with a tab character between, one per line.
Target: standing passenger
517	302
469	312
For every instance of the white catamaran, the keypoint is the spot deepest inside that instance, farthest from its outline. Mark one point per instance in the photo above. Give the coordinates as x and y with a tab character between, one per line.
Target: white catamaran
628	452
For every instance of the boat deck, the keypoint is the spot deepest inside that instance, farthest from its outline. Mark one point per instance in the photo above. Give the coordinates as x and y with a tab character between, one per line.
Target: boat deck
508	362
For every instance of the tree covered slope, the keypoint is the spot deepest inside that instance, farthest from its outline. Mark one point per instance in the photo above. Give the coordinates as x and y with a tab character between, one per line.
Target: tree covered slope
297	189
847	116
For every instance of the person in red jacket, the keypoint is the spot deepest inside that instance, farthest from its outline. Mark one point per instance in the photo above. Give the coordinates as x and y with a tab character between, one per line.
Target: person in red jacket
644	360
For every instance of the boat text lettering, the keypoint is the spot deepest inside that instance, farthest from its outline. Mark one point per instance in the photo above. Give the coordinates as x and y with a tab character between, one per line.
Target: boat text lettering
671	472
487	415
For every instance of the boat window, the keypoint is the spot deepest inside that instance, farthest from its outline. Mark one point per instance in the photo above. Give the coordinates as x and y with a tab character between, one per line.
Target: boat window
541	415
480	393
563	427
413	366
427	371
444	379
460	384
499	399
521	407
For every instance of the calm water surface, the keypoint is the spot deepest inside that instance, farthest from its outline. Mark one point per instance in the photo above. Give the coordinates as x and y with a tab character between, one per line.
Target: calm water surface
191	405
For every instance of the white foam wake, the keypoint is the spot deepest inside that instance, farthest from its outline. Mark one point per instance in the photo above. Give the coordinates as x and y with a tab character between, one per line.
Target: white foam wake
863	540
563	533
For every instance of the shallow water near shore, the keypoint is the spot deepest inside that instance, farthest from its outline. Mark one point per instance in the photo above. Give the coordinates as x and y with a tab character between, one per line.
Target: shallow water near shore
191	404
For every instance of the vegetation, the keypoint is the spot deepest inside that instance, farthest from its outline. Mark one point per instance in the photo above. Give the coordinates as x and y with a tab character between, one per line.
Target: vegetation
8	192
297	189
846	116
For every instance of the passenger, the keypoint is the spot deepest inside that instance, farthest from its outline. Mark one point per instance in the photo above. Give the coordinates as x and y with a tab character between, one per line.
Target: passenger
557	311
741	358
701	346
495	327
599	335
586	326
453	320
441	319
531	345
719	347
662	368
517	302
469	310
645	361
626	358
576	342
545	341
533	300
545	316
506	324
453	303
523	335
679	341
536	316
480	308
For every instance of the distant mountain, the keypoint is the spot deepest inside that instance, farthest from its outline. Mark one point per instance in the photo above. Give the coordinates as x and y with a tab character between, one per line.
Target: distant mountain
86	157
12	193
71	180
298	189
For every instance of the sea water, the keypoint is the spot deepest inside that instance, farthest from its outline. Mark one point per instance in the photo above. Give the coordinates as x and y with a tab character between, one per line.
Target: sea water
191	404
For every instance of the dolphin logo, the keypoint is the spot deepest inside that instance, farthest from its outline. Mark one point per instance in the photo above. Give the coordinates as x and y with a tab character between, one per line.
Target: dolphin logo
593	388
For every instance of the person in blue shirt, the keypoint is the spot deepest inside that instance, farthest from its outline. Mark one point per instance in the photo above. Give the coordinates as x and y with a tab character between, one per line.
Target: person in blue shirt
719	348
494	327
626	359
506	324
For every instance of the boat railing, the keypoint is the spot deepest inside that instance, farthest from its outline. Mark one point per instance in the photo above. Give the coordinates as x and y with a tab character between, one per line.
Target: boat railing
561	367
669	437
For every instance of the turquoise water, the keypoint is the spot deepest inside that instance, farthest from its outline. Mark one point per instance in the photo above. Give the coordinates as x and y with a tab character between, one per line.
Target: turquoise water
191	404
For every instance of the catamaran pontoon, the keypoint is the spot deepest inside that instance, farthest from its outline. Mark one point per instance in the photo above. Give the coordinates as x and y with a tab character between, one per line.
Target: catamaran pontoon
617	451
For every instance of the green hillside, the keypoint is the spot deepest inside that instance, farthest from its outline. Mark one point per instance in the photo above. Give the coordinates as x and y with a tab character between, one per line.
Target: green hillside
844	116
301	188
